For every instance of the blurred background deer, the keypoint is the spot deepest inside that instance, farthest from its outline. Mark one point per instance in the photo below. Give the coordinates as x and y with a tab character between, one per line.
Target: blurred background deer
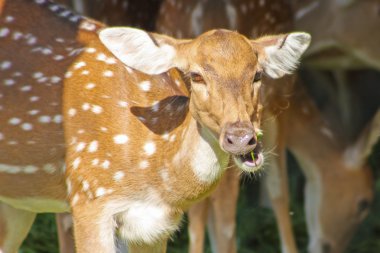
328	123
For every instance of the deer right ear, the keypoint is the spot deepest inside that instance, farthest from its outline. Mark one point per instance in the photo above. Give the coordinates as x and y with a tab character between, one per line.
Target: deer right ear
280	54
138	49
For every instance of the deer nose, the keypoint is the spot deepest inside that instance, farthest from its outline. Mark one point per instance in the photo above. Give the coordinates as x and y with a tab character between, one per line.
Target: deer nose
239	139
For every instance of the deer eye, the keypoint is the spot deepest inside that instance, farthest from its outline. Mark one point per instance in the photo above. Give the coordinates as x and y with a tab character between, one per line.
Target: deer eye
197	78
258	76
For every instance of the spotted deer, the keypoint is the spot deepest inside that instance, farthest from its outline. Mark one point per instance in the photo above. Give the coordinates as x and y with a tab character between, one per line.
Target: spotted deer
124	128
257	17
339	40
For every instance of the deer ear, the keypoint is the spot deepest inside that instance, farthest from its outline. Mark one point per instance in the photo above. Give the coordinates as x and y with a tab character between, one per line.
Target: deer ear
356	155
279	55
146	52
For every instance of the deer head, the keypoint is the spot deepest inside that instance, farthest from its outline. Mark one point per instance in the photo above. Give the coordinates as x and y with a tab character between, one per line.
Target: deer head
224	70
338	200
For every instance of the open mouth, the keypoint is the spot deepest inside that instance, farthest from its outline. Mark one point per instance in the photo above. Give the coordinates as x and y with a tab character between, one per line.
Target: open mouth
251	161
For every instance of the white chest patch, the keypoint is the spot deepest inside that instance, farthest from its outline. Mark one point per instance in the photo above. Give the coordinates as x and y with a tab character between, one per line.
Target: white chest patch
208	162
146	220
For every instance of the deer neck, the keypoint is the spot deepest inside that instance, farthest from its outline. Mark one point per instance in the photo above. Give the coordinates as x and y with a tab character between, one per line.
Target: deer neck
200	148
197	165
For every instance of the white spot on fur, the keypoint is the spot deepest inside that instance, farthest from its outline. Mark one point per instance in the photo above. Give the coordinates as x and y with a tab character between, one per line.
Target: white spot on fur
108	73
30	169
145	85
118	176
106	164
100	192
57	119
86	106
90	50
71	112
27	126
165	136
14	121
5	65
85	185
55	79
79	65
80	147
85	25
90	86
44	119
59	58
150	148
75	199
96	109
172	138
110	60
101	57
144	164
120	139
122	103
26	88
37	75
164	175
92	147
9	19
9	82
85	72
34	98
95	162
33	112
49	168
4	32
76	163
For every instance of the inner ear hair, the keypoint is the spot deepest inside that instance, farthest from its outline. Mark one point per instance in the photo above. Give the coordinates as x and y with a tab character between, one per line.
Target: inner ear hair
153	39
283	41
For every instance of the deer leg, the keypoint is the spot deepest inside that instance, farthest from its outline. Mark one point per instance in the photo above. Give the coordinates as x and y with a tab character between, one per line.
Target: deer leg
344	96
197	225
222	214
65	233
276	180
14	227
93	230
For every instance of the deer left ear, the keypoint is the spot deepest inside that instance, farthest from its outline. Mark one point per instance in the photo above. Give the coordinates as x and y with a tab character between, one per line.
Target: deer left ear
147	52
279	55
357	154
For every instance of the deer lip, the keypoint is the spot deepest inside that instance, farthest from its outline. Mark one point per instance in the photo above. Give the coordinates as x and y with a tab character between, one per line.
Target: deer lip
246	161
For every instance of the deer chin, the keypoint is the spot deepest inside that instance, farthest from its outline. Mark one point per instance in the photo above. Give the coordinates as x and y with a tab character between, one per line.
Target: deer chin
246	161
